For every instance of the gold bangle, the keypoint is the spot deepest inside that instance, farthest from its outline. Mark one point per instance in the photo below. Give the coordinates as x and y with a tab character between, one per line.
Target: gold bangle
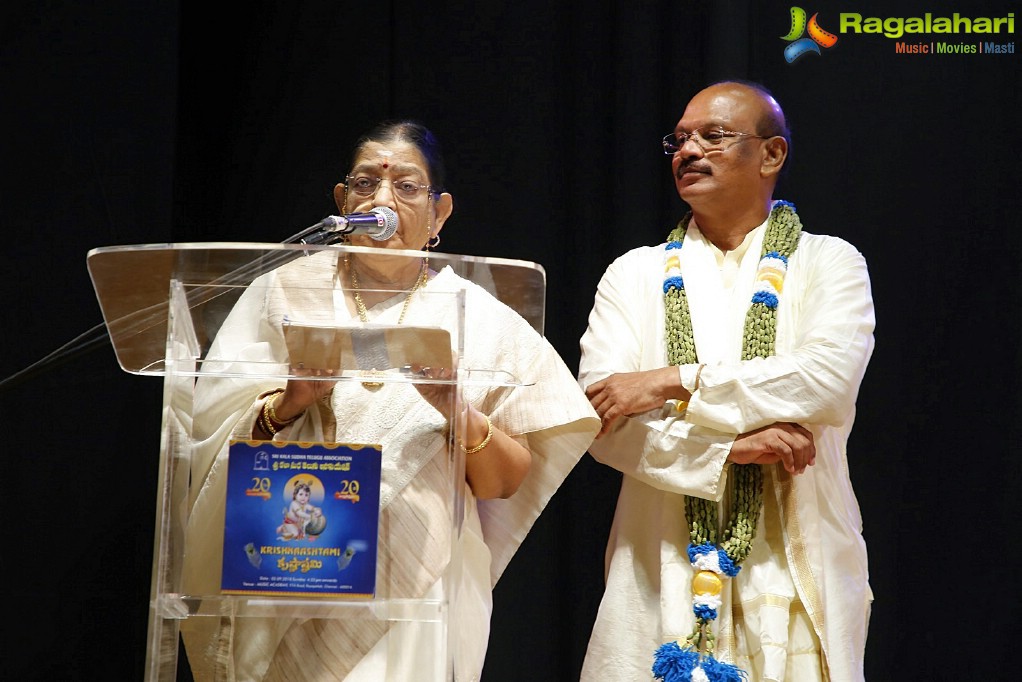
267	419
263	421
272	414
486	441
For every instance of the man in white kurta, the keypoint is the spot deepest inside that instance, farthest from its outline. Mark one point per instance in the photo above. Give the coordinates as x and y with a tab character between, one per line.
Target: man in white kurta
799	608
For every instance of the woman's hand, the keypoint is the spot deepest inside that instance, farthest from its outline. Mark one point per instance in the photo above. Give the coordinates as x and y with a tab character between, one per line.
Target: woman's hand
300	394
440	395
497	469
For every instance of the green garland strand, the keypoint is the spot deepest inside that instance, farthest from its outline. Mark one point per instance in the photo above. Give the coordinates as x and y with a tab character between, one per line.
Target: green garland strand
782	236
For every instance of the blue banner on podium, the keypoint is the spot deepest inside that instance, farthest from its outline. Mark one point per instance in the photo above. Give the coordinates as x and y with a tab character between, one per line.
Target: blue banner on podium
301	519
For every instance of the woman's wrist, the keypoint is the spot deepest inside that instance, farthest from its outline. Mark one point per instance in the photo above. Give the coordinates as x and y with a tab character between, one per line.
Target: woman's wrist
282	411
478	437
269	421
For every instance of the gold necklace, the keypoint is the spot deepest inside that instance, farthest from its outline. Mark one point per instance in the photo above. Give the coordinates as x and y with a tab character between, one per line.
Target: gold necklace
363	313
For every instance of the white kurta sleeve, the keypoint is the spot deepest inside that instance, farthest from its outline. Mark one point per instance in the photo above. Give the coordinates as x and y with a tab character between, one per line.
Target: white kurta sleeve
825	339
625	334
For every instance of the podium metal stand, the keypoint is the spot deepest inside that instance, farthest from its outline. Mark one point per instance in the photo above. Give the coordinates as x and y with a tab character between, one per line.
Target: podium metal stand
164	305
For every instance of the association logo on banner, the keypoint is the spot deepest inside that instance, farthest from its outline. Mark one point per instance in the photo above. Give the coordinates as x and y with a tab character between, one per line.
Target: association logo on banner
928	34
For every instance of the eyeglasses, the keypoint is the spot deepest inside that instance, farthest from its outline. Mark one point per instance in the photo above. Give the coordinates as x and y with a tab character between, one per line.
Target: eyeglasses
709	138
365	186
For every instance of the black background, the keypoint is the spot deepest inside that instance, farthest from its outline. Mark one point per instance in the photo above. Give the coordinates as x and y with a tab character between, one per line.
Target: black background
140	122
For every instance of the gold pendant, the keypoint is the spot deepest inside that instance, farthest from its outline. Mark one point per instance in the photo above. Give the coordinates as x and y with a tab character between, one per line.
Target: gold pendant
371	385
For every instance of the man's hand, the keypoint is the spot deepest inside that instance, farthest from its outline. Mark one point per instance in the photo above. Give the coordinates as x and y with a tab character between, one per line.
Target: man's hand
784	442
629	393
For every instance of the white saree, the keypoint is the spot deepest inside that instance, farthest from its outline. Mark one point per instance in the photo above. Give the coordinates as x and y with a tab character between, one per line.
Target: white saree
550	415
805	585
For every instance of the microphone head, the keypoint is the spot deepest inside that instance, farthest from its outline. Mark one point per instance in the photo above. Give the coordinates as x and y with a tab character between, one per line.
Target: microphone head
389	223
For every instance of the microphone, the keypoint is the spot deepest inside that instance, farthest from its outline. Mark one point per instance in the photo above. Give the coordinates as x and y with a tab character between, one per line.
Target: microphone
379	223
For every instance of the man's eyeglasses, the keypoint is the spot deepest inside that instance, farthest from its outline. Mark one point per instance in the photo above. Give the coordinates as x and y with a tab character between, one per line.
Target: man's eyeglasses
366	186
710	138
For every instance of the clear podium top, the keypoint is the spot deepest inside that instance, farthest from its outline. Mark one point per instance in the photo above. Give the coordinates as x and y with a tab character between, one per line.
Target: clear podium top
134	283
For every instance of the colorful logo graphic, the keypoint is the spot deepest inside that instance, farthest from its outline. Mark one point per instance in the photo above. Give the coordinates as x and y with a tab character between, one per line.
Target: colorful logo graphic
800	46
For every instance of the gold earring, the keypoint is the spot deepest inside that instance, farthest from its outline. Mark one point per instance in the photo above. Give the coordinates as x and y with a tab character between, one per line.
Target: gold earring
433	241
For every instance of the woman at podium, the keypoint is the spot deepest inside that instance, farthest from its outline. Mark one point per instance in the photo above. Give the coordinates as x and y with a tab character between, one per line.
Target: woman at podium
518	439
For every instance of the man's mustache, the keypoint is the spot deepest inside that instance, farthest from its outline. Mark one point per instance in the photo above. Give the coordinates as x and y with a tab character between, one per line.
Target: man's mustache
693	166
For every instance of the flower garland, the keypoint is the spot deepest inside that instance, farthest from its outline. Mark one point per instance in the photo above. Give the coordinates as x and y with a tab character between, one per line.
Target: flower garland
712	560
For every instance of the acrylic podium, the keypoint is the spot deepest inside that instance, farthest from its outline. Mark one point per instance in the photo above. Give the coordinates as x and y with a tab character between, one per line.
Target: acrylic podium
165	306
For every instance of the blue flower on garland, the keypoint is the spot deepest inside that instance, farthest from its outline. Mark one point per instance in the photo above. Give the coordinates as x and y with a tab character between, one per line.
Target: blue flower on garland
673	663
675	282
672	268
770	279
698	554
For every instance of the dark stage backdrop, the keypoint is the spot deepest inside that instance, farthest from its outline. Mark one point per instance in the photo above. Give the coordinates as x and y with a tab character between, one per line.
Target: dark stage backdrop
139	122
